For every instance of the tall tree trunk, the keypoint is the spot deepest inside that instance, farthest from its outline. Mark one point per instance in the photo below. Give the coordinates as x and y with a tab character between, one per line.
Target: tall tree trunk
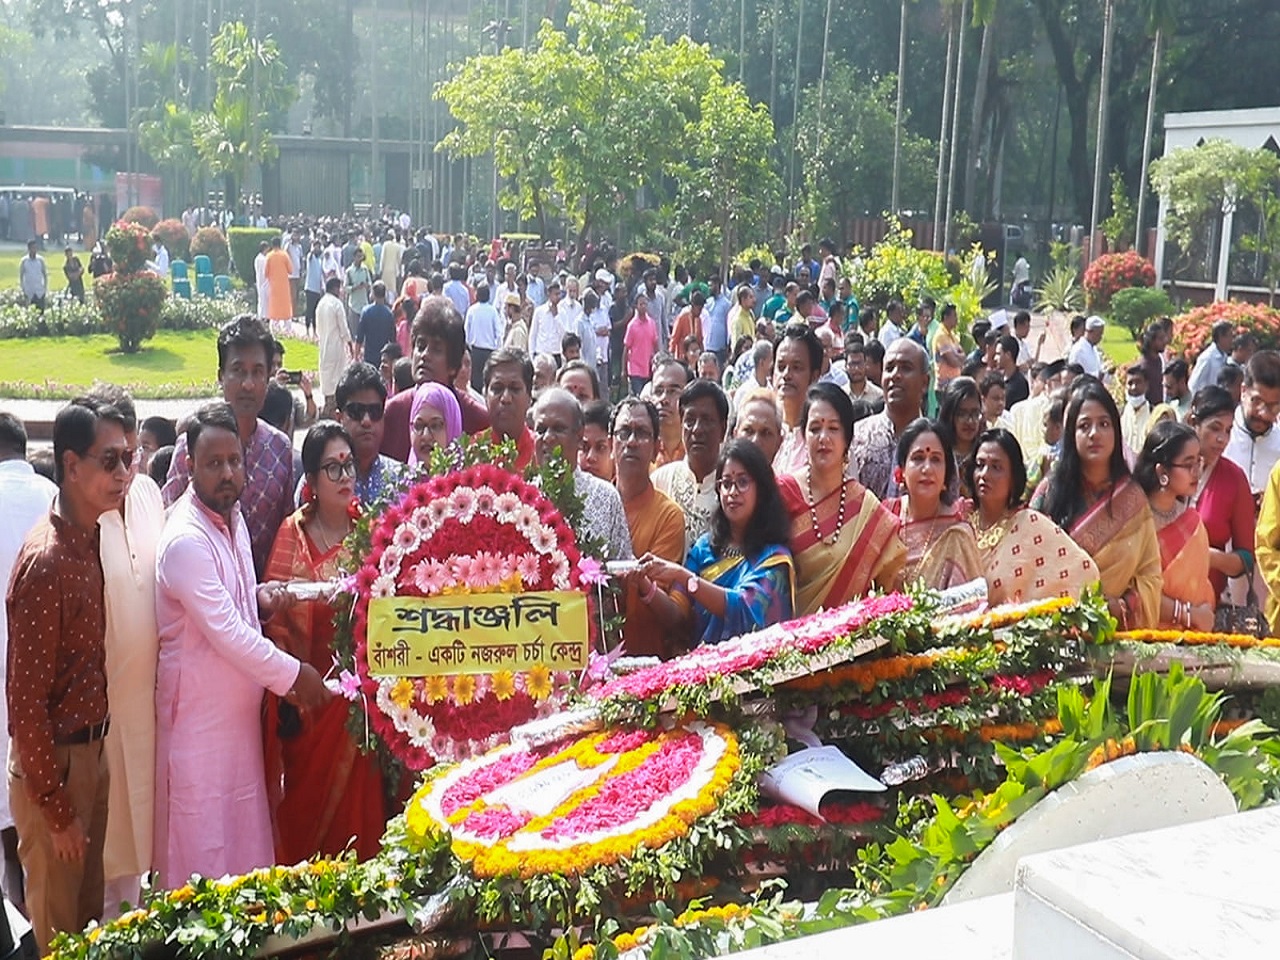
897	126
822	74
955	127
1075	90
1100	146
945	129
974	153
795	117
1156	51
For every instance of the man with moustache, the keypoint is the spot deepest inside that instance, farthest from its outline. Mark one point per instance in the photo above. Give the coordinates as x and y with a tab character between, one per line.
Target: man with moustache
691	481
875	439
211	810
56	684
669	381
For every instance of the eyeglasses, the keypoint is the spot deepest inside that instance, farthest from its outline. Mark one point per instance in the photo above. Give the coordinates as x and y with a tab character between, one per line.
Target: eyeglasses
627	434
730	484
1191	465
111	460
335	470
969	416
358	411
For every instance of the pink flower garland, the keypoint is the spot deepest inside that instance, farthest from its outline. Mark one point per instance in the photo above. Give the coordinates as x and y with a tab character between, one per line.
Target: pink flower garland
752	651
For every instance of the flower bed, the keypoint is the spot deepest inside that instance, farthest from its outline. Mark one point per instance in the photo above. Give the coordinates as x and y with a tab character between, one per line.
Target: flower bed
1193	330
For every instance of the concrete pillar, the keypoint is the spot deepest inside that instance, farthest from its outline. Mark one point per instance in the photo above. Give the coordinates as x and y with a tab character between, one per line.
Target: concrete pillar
1224	255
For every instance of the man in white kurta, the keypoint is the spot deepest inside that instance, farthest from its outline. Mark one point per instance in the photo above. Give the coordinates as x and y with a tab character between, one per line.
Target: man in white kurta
25	496
127	546
211	814
334	341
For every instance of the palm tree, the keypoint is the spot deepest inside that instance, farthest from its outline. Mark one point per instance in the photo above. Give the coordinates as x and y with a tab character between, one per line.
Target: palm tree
955	127
897	126
1160	16
1108	24
948	7
984	12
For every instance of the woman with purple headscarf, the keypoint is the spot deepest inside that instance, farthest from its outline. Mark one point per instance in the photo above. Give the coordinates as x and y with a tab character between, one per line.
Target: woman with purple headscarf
435	419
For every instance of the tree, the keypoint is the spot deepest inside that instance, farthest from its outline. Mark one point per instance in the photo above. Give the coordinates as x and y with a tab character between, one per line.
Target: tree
984	13
843	184
1200	184
1161	17
586	118
727	185
1100	144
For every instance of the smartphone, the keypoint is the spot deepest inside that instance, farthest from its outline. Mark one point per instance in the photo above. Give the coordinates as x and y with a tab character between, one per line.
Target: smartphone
293	376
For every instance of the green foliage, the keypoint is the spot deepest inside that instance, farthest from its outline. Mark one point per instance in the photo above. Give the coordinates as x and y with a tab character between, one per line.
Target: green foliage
1199	183
758	251
894	269
1064	254
1060	291
212	243
965	294
1118	228
143	215
129	245
1135	307
244	243
550	114
175	238
63	318
843	181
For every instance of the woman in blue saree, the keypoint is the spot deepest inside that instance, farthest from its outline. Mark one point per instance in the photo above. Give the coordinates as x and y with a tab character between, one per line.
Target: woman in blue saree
739	577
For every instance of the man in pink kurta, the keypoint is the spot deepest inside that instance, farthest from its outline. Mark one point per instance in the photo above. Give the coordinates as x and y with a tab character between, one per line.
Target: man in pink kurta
211	813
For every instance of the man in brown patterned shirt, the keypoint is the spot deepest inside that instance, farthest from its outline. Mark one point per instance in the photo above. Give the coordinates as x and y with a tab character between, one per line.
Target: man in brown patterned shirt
56	688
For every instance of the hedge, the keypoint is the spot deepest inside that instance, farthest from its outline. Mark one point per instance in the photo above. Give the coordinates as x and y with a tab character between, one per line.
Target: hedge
244	248
175	238
210	242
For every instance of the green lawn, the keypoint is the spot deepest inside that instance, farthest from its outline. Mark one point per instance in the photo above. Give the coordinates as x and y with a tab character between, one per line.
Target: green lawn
172	364
53	259
1119	345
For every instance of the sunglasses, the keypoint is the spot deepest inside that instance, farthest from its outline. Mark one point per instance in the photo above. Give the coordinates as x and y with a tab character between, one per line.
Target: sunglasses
335	470
358	411
112	459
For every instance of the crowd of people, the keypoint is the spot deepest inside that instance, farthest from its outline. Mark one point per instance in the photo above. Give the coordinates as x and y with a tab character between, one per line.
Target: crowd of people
762	446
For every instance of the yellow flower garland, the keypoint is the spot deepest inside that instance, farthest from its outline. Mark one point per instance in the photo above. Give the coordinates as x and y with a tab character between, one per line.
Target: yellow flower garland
1192	638
1009	614
494	859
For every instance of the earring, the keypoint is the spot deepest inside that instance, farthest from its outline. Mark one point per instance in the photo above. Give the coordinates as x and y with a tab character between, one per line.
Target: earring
1164	481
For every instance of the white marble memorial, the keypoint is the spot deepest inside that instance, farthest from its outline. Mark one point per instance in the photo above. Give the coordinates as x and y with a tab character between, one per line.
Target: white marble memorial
1195	892
1143	792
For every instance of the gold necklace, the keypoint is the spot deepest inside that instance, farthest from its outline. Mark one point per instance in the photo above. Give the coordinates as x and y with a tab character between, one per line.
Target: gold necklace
989	537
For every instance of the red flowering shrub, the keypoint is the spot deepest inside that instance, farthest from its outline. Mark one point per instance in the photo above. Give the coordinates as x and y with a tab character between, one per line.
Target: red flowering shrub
143	215
1116	271
1193	330
175	238
130	300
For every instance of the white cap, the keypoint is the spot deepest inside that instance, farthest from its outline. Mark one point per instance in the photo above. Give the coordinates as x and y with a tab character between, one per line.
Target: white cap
999	319
605	275
1095	323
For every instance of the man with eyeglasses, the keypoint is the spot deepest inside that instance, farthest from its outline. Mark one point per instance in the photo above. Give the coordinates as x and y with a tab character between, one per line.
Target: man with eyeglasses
129	537
1254	446
655	522
691	481
244	363
557	432
56	685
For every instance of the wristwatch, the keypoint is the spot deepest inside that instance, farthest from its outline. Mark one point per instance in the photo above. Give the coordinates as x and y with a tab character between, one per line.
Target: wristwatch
692	585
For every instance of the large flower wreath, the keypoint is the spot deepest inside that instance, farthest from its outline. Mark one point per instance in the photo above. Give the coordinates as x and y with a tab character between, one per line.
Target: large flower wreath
567	808
477	530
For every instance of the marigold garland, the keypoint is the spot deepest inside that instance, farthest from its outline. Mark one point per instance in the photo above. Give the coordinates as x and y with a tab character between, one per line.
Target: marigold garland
1191	638
663	782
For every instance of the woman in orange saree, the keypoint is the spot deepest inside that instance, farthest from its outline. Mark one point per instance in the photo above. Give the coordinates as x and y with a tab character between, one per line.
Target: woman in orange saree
326	795
1168	469
843	540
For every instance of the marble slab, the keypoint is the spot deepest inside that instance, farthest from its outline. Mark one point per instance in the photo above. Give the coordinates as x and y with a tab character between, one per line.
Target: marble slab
1206	890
